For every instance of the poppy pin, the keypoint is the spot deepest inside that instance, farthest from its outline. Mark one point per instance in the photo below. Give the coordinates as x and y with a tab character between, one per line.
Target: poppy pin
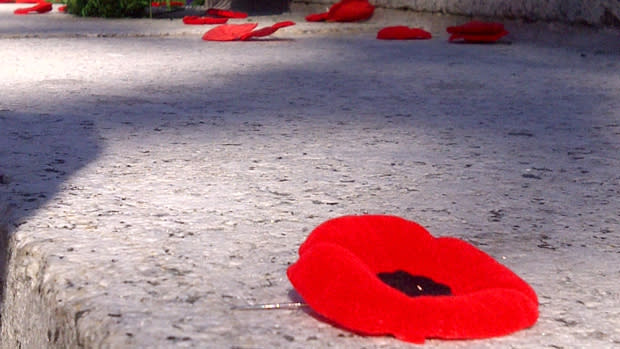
384	275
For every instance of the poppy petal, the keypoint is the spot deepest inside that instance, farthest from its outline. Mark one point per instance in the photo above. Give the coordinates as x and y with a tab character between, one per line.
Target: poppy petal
337	275
226	13
228	32
283	24
350	11
401	32
266	31
41	7
196	20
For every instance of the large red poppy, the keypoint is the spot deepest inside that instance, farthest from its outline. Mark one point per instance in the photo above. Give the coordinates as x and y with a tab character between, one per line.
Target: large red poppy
379	275
345	11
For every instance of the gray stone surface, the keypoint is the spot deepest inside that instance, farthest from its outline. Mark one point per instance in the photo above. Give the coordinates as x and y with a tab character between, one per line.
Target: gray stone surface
593	12
157	180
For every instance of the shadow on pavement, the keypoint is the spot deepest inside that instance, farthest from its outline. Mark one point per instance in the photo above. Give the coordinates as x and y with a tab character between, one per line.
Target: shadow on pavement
346	81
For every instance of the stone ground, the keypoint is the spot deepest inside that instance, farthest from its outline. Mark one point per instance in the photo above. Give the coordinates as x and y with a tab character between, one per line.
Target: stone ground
157	180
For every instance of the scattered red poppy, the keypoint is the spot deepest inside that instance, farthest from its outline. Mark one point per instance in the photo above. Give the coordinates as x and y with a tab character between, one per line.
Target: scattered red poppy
476	31
229	32
345	11
40	7
401	32
62	8
379	275
243	32
226	13
266	31
317	17
196	20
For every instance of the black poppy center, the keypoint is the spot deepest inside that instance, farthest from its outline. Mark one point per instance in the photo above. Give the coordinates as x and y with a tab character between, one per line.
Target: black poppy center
414	285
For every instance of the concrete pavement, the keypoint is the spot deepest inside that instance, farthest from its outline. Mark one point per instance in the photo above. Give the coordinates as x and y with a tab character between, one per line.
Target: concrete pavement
158	180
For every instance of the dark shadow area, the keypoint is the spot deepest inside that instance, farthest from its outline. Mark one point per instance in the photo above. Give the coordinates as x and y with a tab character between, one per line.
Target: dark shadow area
36	157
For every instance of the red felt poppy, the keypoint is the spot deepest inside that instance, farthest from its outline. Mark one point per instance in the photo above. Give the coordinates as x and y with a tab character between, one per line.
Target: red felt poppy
350	11
243	32
228	32
401	32
226	13
345	11
41	7
379	275
196	20
266	31
476	31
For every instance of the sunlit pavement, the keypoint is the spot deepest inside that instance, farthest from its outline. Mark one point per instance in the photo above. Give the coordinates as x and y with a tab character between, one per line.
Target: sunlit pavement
158	180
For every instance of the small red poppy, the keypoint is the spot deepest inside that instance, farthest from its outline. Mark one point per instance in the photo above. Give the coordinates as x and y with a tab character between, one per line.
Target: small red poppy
40	7
379	275
401	32
477	32
196	20
243	32
345	11
226	13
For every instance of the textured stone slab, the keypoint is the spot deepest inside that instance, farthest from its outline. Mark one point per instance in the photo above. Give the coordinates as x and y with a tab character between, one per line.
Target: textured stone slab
597	12
158	181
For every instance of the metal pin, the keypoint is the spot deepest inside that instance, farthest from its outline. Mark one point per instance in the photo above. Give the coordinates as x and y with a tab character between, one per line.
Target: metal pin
270	306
